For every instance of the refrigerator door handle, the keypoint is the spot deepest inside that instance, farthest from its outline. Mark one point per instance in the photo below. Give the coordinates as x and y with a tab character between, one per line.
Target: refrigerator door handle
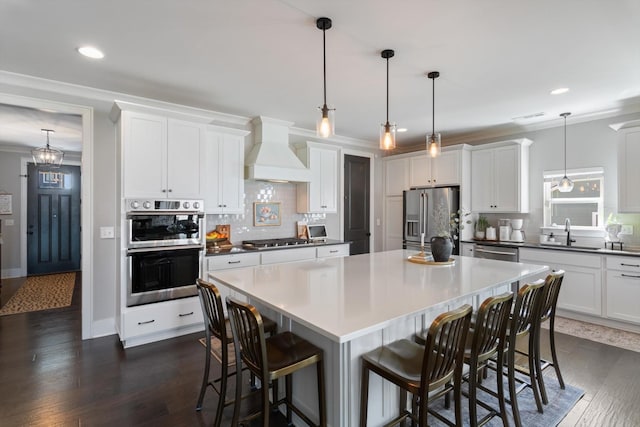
425	210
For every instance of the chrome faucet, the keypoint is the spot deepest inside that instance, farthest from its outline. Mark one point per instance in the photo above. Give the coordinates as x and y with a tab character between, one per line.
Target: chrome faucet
567	228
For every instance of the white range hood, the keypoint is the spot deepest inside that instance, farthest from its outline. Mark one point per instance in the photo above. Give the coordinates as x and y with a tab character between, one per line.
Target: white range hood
271	158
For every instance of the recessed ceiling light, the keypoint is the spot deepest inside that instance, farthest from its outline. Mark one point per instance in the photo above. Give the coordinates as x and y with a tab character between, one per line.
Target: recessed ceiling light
401	130
91	52
560	90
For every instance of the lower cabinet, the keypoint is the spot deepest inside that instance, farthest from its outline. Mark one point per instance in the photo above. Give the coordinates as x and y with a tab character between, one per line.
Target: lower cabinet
333	251
581	290
623	288
150	322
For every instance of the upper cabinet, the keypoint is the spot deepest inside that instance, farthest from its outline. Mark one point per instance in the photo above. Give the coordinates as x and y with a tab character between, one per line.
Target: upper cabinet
500	177
417	169
320	195
161	157
224	174
628	170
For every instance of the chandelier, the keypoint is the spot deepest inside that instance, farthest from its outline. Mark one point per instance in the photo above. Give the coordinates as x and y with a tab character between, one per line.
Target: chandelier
47	155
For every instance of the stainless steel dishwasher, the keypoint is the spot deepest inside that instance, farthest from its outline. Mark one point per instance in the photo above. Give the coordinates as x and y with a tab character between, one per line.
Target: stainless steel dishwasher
495	252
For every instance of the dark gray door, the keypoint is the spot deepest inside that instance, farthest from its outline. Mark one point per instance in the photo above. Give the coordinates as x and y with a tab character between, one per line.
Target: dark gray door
356	203
53	219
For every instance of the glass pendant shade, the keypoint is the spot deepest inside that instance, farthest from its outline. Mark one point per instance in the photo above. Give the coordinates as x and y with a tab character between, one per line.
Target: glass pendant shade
388	136
326	123
47	155
566	185
434	145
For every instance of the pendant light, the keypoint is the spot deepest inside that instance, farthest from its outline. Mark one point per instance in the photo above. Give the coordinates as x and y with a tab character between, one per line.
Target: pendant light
325	126
434	144
387	130
47	155
566	185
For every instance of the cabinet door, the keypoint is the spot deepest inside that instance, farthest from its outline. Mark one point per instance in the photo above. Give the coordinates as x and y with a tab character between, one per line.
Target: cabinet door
446	168
506	179
466	249
420	171
629	173
185	162
623	294
396	176
482	181
144	158
328	180
393	223
581	290
231	171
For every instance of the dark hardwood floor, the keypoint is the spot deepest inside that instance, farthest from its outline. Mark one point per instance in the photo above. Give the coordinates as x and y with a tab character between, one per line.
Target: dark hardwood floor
50	377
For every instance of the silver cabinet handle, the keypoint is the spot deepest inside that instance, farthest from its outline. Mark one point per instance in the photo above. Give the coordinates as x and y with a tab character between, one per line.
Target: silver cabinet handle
185	314
630	275
147	322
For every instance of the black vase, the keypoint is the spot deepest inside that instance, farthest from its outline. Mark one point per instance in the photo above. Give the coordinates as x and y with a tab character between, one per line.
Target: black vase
441	248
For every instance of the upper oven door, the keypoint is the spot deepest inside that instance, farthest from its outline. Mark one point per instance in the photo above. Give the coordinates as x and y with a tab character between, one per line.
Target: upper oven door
158	229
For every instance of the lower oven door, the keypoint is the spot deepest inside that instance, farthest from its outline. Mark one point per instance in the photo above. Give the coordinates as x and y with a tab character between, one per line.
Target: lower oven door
160	275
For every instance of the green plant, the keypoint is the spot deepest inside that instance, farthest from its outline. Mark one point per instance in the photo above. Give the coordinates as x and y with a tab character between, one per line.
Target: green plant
482	223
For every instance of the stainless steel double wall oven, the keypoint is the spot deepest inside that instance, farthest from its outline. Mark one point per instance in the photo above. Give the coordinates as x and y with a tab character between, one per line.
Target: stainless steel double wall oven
165	245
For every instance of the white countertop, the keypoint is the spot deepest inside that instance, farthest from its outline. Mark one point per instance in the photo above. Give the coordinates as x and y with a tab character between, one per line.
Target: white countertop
344	298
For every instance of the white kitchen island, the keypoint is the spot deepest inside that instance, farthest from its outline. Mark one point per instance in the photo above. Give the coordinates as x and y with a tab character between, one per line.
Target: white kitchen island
348	306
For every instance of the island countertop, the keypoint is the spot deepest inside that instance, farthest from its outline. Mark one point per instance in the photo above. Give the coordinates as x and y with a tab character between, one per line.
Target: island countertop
346	298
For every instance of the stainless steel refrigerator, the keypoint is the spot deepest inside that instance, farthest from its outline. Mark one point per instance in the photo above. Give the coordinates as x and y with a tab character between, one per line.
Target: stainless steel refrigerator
419	205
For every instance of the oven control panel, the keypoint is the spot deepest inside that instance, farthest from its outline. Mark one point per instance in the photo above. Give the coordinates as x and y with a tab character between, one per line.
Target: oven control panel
150	205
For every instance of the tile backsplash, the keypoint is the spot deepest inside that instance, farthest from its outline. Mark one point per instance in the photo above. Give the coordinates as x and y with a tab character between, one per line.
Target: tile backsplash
242	225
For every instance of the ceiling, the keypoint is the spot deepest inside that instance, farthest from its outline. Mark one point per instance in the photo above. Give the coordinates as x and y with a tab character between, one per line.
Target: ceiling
498	60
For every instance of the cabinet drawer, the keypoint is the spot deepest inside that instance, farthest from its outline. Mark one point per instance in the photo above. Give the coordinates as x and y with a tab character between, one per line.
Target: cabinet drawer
184	312
287	255
222	262
630	264
143	320
549	256
334	250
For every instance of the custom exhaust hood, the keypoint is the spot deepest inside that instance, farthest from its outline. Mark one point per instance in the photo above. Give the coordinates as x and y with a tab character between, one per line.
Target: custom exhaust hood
271	158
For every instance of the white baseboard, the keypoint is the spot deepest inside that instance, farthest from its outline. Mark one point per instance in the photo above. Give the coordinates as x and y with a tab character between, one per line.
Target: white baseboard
610	323
10	273
103	328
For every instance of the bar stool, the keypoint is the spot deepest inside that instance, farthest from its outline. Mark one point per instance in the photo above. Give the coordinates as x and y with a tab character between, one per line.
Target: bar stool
487	339
552	286
428	372
216	326
272	358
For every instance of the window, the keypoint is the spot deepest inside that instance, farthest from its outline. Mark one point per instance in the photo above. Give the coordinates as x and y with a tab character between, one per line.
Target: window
584	205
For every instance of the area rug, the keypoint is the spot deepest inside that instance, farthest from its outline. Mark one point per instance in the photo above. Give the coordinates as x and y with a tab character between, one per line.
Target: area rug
597	333
560	404
41	293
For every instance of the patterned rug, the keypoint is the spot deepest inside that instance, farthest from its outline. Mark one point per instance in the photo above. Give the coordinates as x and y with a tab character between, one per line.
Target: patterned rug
41	293
597	333
216	350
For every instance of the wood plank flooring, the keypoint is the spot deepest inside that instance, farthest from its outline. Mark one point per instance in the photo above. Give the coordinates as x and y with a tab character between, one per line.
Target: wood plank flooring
49	376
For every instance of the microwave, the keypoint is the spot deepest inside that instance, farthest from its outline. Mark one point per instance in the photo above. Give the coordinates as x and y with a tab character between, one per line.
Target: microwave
316	232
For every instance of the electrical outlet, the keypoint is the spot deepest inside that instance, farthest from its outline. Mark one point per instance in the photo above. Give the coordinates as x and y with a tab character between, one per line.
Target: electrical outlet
626	229
107	233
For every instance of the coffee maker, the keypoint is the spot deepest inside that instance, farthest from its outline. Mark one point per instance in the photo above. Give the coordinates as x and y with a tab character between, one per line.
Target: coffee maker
517	234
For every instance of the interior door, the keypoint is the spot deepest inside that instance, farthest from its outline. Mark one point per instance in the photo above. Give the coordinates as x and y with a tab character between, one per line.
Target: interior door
356	203
53	219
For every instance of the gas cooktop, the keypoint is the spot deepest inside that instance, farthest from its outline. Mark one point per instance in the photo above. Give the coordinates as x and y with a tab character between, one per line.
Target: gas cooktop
272	243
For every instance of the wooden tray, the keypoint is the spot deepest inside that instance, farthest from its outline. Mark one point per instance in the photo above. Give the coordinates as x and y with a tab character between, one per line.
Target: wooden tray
419	259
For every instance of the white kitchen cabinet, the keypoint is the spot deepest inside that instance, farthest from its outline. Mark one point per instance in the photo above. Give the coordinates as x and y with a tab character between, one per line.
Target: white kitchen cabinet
393	223
287	255
581	289
161	320
320	195
161	157
441	170
224	172
623	288
223	262
500	177
467	249
396	176
331	251
628	171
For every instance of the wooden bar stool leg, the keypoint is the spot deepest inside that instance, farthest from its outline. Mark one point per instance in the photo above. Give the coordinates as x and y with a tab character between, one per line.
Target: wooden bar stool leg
205	377
322	402
289	393
501	398
538	362
554	355
533	371
473	381
512	387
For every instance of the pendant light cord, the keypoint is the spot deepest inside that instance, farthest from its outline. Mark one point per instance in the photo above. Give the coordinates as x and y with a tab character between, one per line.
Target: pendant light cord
433	107
387	91
565	145
324	63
